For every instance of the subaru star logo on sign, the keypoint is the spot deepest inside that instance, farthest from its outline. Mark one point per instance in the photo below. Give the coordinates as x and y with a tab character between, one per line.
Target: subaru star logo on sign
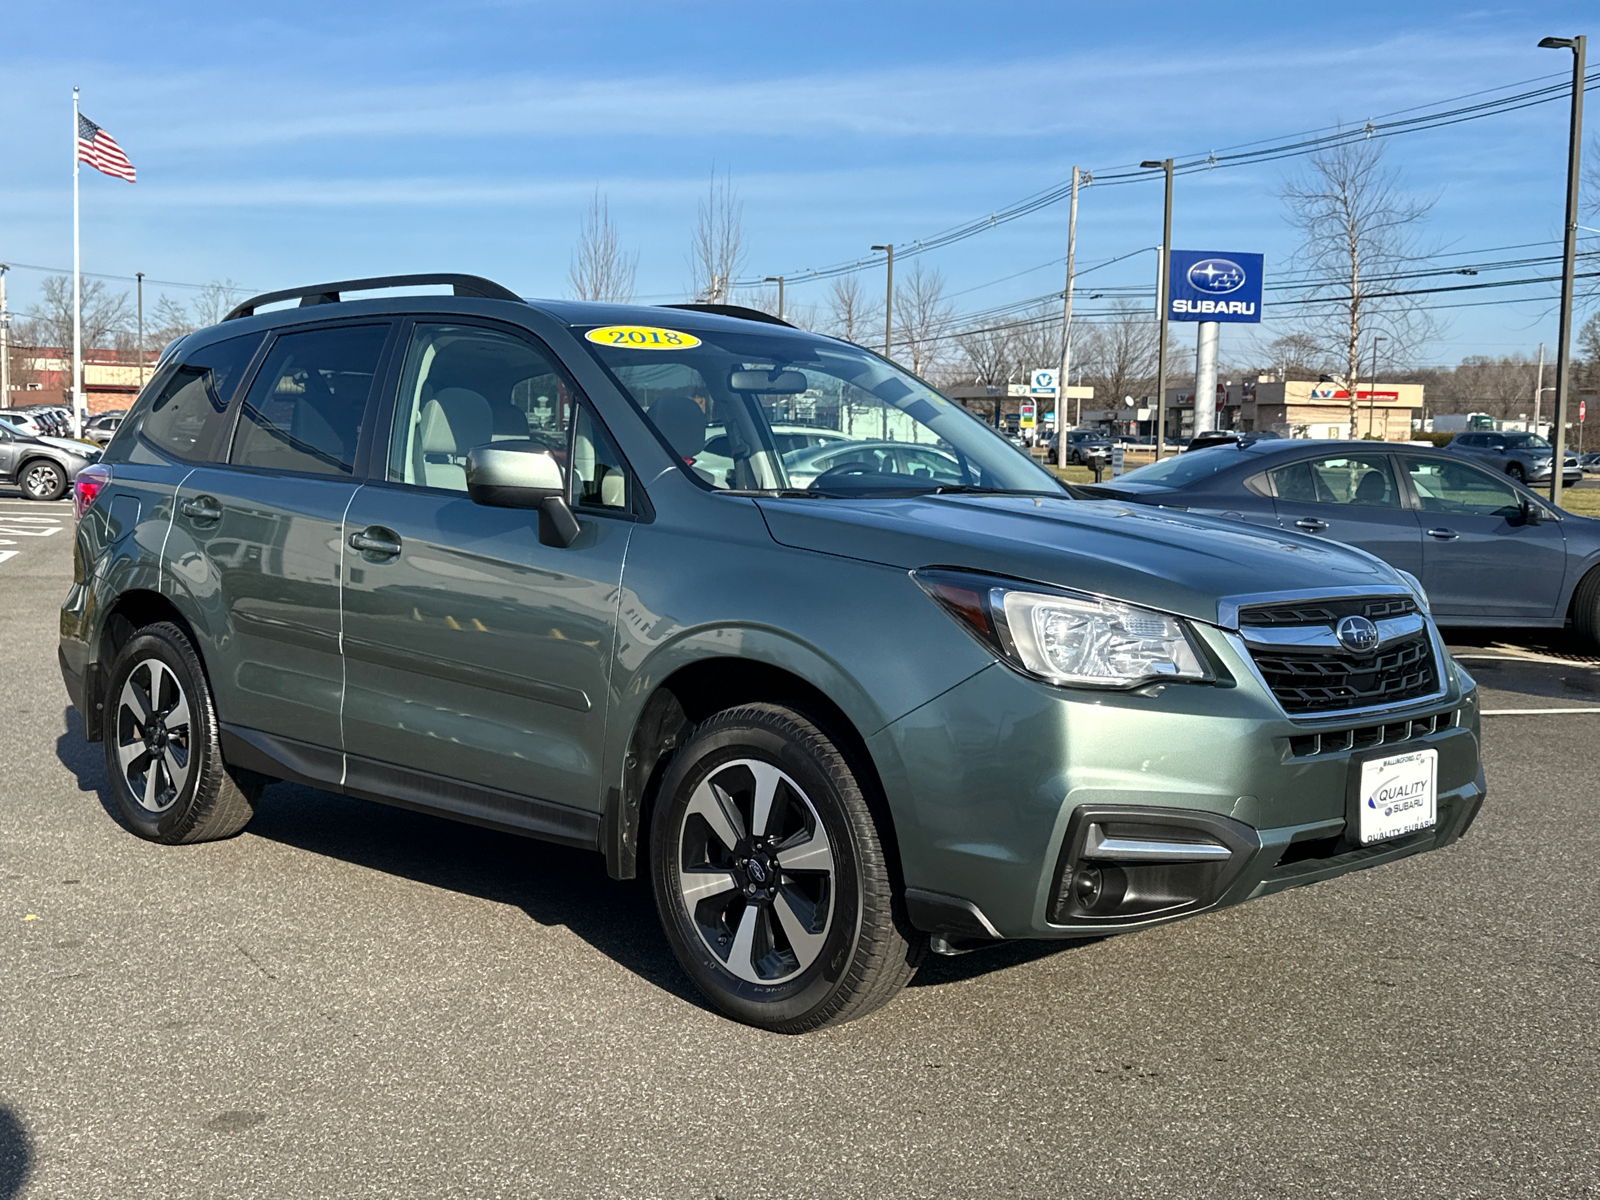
1357	634
1209	285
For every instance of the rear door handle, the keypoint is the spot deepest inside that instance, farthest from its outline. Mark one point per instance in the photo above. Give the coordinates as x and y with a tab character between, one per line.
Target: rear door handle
379	543
1444	535
1310	524
201	508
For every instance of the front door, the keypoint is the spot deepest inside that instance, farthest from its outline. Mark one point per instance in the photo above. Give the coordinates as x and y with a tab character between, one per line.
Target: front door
1352	498
1480	558
257	541
474	652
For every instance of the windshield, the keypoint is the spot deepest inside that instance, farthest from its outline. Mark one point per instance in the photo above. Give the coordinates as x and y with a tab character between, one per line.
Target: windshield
1183	469
759	411
1525	441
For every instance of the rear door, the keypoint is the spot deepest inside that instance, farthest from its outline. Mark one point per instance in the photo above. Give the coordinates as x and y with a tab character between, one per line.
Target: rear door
1351	497
258	536
1480	559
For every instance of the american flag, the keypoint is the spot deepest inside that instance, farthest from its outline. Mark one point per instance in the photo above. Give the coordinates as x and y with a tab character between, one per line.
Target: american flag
100	150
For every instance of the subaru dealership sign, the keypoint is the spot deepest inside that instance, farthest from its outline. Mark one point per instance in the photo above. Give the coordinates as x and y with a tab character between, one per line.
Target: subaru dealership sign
1211	286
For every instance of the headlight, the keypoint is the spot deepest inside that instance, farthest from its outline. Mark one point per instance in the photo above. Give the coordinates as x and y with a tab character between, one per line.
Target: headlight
1065	637
1416	587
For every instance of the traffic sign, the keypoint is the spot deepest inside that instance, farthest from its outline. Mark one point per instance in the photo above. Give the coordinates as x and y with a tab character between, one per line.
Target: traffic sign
1581	405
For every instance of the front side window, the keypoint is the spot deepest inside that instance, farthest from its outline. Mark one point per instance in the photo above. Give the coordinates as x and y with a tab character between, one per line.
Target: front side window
1449	487
305	409
1361	480
464	386
186	413
773	411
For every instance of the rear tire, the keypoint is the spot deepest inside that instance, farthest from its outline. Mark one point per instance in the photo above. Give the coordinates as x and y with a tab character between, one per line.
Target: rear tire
161	745
42	479
771	877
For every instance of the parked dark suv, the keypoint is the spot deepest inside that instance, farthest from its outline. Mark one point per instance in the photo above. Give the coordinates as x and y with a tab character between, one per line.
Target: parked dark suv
470	554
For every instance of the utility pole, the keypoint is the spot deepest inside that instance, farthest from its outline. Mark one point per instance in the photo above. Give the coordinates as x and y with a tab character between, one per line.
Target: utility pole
1558	464
1162	304
139	353
5	342
1538	389
888	302
1066	325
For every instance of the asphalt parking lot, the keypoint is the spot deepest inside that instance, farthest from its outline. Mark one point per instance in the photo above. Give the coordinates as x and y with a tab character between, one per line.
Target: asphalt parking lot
350	1000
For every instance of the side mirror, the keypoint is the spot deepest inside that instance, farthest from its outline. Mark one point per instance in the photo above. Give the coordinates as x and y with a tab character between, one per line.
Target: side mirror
1531	513
523	474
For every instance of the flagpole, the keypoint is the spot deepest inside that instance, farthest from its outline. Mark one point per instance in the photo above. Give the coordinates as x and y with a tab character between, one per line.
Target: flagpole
77	302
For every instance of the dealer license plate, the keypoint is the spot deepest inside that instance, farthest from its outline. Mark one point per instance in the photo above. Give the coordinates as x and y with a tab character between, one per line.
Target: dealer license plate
1399	795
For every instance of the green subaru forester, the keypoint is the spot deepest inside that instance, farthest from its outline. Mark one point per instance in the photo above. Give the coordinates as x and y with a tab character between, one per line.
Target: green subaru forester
547	567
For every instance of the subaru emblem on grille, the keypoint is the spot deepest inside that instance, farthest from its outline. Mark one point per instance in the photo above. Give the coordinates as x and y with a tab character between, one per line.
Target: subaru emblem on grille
1357	634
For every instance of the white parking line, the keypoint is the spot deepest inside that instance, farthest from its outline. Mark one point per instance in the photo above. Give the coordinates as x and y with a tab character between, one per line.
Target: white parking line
5	554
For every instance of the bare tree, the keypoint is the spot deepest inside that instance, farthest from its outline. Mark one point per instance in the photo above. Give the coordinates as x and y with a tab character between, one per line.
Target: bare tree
1296	356
1357	227
599	269
716	250
1119	354
172	319
854	313
922	316
104	313
991	355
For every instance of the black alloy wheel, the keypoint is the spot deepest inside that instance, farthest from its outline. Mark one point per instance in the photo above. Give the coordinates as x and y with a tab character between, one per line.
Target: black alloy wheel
1517	472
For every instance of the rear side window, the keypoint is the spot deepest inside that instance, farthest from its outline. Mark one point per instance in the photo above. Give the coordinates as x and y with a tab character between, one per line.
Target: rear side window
305	410
185	416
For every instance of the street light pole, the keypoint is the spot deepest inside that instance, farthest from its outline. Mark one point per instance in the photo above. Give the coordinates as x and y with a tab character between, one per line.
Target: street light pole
1558	463
139	278
1372	396
777	279
1162	269
888	302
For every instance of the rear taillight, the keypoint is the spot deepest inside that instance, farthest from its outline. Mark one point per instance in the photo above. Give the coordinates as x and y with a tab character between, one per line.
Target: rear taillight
87	486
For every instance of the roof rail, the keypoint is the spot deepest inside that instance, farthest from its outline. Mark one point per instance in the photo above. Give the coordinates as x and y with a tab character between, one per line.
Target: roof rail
733	310
329	293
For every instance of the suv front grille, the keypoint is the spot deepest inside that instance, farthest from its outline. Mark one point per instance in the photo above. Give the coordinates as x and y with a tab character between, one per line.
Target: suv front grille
1295	648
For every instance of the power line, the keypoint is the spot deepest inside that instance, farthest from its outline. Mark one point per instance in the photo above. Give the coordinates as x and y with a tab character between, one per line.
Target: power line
1249	153
199	287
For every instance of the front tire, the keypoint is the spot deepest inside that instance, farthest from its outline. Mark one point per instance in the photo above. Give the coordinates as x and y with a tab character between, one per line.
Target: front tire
1516	471
42	479
161	745
771	876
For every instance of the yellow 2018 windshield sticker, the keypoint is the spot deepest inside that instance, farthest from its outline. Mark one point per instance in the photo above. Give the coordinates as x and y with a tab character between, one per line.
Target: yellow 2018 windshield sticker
642	337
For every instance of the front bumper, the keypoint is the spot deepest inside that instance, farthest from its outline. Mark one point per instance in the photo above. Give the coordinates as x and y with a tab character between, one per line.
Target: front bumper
994	786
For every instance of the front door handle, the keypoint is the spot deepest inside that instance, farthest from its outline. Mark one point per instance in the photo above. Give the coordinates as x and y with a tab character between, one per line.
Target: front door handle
379	543
1310	524
201	508
1444	535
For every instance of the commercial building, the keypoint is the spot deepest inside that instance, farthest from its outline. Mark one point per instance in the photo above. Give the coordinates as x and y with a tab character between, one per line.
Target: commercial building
1322	410
43	375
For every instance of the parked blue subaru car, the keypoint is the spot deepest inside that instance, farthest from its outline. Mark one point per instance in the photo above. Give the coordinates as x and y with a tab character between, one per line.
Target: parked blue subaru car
1488	551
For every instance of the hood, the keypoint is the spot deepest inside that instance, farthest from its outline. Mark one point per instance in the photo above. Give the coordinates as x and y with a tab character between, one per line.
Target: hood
1151	556
79	448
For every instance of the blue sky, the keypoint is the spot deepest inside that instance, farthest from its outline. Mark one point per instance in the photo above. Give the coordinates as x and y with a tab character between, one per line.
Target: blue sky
299	142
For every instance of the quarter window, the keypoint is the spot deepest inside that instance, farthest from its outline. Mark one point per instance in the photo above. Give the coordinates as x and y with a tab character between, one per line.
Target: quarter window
1359	480
186	414
305	409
